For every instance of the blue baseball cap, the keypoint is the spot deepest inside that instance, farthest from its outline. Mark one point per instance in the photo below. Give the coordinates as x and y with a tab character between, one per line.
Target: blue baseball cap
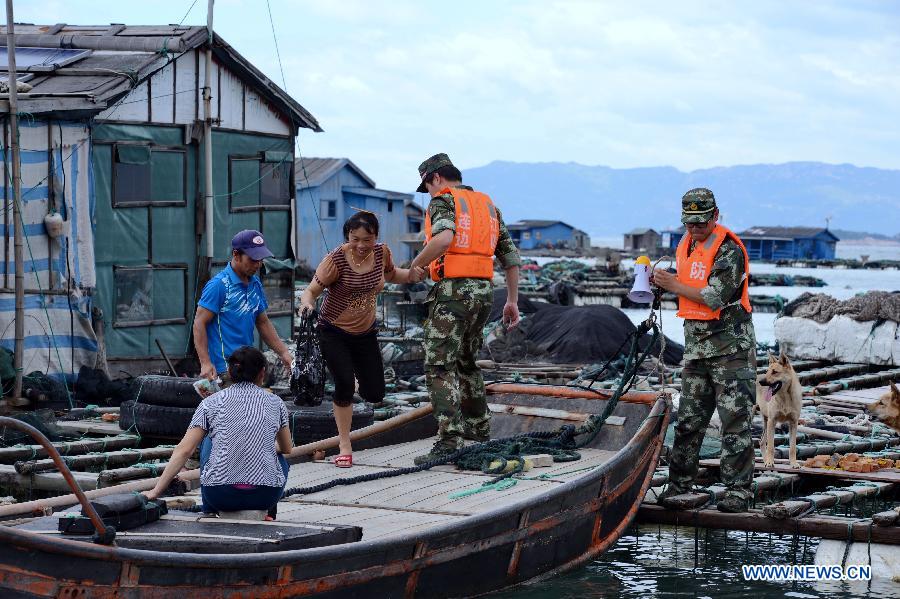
251	243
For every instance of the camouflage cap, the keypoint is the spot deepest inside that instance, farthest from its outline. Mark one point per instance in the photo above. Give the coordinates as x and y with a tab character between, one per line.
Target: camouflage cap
697	206
429	166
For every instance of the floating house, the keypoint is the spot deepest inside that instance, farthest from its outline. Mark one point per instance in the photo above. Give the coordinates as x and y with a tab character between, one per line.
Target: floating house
534	234
414	239
776	243
329	191
789	243
641	239
670	238
113	144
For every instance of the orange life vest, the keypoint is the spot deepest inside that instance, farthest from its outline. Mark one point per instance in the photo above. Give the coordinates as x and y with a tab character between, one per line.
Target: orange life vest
694	269
471	255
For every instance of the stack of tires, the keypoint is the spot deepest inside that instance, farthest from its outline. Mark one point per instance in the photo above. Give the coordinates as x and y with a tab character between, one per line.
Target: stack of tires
162	406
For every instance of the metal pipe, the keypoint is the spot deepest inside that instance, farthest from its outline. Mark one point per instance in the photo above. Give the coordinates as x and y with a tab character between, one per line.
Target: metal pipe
105	534
207	134
19	231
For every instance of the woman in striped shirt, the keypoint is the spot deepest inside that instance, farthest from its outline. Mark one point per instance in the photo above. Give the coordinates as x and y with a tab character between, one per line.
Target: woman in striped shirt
239	430
353	274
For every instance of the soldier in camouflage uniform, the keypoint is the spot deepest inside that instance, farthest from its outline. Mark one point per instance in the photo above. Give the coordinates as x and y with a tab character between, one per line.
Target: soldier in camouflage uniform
719	370
458	310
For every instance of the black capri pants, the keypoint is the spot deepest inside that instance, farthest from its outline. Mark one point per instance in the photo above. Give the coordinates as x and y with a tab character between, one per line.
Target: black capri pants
350	357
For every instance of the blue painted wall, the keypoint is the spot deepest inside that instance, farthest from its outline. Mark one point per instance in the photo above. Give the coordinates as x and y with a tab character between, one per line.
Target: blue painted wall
318	233
820	247
536	237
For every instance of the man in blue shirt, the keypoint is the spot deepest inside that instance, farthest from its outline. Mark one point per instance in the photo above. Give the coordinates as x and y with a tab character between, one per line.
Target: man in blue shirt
231	305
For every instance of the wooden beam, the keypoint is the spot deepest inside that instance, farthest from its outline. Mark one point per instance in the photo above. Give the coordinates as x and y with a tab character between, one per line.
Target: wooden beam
90	427
47	481
888	475
764	482
887	518
825	499
824	527
68	448
108	478
84	462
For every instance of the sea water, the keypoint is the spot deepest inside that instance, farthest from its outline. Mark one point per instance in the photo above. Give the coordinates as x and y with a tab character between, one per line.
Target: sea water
667	561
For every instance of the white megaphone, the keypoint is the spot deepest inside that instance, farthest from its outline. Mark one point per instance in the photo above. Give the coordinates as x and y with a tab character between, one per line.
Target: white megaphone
640	292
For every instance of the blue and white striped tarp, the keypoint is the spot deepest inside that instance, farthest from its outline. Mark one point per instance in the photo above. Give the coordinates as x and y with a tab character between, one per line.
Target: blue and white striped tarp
56	174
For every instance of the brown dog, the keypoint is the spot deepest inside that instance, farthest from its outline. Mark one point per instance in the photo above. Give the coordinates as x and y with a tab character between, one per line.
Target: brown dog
887	408
779	397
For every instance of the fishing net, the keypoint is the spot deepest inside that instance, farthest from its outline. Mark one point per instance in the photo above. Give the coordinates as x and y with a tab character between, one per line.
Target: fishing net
44	420
572	335
308	369
872	305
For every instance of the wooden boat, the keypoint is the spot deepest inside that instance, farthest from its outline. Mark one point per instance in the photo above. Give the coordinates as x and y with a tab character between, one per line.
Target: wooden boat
416	540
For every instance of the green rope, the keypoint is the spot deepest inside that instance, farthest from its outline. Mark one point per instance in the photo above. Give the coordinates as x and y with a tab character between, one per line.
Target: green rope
500	485
567	472
153	468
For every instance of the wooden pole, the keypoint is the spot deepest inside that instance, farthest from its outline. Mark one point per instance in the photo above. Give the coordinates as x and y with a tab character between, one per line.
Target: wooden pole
789	509
812	526
109	478
31	452
46	481
207	135
888	518
763	482
85	462
19	232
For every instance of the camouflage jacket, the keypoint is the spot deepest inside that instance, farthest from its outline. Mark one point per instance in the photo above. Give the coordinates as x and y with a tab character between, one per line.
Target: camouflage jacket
733	331
442	211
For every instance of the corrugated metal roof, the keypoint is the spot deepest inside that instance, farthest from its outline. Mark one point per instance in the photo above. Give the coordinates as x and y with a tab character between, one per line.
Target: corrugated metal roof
312	172
383	194
784	232
536	224
641	231
123	56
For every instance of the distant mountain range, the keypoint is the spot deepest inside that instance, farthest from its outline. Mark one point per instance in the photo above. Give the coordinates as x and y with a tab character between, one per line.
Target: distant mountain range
606	201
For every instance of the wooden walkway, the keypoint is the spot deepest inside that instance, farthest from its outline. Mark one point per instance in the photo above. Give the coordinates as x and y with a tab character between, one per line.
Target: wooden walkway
851	401
885	475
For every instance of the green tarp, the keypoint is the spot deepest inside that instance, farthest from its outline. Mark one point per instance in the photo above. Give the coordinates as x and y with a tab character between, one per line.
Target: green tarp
167	236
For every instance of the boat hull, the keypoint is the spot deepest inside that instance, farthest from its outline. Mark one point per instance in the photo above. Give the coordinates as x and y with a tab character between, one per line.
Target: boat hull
497	549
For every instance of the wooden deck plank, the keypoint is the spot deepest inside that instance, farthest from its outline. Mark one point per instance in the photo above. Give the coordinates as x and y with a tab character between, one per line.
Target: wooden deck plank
90	427
396	456
376	523
417	501
859	396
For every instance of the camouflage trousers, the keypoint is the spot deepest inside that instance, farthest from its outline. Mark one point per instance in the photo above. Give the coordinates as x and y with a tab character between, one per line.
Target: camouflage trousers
453	337
727	383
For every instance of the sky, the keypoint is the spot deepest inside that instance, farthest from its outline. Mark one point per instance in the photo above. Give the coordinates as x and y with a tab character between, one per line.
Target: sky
687	84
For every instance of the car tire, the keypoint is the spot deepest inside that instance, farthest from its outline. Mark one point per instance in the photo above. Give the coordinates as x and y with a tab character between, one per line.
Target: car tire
314	424
150	420
159	390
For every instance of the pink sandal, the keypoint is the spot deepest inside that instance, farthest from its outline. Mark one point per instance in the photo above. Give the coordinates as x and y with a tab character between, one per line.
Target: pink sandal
343	461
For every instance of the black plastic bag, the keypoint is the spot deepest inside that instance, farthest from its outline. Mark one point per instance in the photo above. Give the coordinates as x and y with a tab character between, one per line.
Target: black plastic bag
308	369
